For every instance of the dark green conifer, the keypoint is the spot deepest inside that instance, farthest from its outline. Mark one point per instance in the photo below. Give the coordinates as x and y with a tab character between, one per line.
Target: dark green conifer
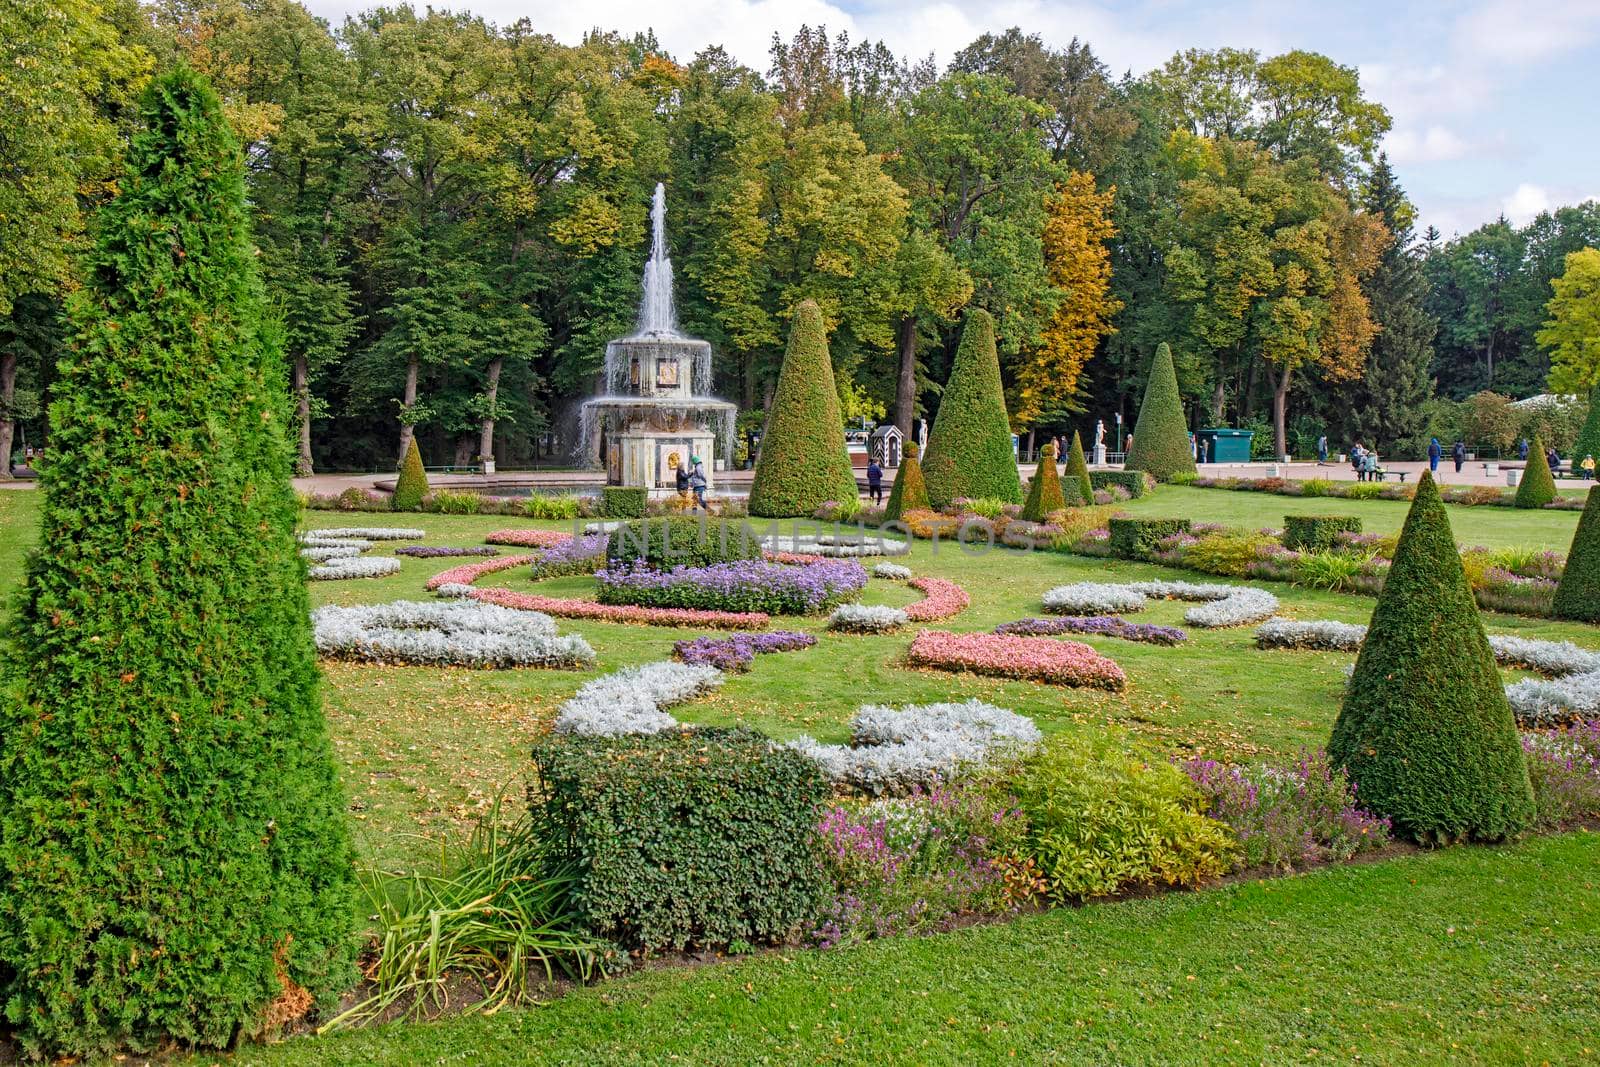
1425	731
173	851
803	460
1538	485
1160	437
1078	467
412	485
909	492
1044	488
970	453
1578	595
1588	443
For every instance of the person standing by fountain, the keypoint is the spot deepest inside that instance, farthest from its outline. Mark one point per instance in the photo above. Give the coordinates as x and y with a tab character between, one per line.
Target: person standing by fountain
697	482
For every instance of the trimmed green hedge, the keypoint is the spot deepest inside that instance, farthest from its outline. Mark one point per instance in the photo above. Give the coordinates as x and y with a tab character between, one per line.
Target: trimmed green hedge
910	491
969	448
1078	469
1133	482
1137	538
1425	731
1160	437
679	541
803	462
412	485
624	501
1044	488
1578	595
1538	486
1316	533
697	837
174	850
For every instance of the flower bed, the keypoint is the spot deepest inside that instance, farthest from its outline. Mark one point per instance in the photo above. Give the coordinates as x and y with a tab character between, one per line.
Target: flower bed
633	701
576	555
441	551
334	570
836	546
1092	597
745	585
1103	625
896	751
941	599
1041	659
587	609
867	618
368	533
1317	634
528	538
1227	605
736	653
323	553
467	573
1564	769
893	572
462	634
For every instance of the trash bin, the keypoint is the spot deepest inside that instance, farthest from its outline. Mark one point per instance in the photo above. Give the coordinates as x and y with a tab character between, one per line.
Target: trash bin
1513	476
1226	445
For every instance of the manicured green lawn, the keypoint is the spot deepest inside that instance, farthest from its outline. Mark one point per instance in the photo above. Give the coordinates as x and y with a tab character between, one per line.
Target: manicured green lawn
1472	955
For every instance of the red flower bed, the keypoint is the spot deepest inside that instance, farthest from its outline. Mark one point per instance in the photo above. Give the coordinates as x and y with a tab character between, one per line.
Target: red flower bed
468	573
941	599
1042	659
587	609
528	538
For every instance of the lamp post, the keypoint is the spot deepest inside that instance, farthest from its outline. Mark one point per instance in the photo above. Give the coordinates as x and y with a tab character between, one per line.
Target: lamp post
1118	441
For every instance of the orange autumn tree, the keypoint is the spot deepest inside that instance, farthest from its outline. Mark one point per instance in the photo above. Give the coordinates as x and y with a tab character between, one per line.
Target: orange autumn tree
1079	266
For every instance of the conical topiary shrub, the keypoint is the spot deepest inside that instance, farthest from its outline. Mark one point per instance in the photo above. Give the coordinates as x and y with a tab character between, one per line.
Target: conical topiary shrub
412	485
1538	485
1160	438
1578	595
1425	731
969	448
910	492
1588	443
803	461
1044	489
174	860
1078	467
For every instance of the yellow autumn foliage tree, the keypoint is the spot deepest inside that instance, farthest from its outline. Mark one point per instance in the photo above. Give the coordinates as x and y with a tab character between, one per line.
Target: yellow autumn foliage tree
1079	267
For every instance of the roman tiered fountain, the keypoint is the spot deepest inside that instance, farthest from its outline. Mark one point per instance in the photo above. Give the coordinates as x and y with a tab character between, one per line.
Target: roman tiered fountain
656	412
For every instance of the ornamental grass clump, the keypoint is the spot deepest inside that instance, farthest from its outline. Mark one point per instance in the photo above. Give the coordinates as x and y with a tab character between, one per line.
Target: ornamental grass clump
803	461
1160	437
969	448
174	862
1538	486
1578	594
1425	731
1289	816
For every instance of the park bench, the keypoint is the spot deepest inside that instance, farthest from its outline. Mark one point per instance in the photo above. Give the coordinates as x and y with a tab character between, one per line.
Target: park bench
1382	473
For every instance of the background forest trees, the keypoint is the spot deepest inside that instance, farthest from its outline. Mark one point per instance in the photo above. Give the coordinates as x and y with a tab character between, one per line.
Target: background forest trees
452	216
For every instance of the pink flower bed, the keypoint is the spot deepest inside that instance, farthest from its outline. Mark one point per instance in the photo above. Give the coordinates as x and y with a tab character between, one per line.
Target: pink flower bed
528	538
587	609
799	559
468	573
1042	659
941	599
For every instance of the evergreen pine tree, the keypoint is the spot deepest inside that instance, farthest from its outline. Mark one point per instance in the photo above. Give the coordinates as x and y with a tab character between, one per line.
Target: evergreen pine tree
1386	405
174	864
1044	488
910	491
803	461
412	485
1578	595
1425	731
969	448
1588	443
1538	486
1160	437
1078	467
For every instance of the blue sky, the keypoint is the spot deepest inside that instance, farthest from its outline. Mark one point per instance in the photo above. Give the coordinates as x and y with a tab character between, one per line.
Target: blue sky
1494	102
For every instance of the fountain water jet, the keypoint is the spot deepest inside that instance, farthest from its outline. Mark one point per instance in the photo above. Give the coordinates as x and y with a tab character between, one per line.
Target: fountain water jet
652	418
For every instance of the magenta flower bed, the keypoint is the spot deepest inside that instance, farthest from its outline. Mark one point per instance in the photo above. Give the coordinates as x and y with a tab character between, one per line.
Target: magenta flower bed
587	609
941	599
528	538
742	585
468	573
1105	625
737	652
440	551
1040	659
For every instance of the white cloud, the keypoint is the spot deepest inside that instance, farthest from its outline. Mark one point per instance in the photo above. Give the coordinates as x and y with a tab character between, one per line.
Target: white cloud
1521	32
1525	201
1431	145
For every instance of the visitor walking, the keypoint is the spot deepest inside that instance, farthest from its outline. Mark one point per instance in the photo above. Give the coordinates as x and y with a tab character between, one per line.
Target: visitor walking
1434	454
875	479
1322	449
1522	450
683	481
1588	468
697	482
1458	452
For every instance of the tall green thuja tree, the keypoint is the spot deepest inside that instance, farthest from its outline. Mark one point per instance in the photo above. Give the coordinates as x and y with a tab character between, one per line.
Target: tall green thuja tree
1044	490
803	459
1078	467
1578	595
1425	731
1538	486
910	491
174	862
1588	443
969	448
1160	437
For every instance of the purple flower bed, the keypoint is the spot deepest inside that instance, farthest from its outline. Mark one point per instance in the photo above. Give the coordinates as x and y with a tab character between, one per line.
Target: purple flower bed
735	653
1104	625
744	585
1287	817
580	555
1564	767
439	551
